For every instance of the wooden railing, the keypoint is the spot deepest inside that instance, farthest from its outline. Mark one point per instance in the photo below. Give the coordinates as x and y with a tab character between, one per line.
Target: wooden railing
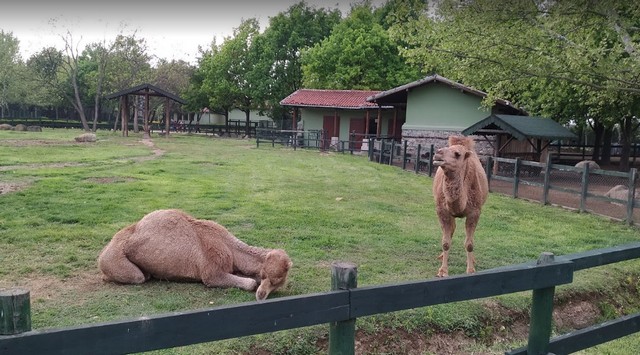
340	308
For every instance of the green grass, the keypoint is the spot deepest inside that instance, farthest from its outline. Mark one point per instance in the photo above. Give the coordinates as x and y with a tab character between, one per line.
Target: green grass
319	207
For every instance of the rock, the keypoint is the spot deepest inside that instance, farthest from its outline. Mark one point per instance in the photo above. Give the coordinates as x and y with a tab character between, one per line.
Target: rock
6	127
34	128
20	127
86	137
592	164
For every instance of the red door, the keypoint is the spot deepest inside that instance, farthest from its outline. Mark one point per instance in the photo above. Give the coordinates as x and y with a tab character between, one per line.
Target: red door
357	126
331	125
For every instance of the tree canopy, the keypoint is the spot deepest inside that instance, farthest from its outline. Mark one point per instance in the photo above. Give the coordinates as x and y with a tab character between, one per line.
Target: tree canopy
359	54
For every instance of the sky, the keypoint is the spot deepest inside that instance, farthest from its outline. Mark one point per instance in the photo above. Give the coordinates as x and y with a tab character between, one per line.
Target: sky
172	29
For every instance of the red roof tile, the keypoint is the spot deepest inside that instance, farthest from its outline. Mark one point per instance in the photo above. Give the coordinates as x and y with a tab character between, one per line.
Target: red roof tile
343	99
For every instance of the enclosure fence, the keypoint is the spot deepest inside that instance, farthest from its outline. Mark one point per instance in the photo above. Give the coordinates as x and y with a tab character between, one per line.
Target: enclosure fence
584	189
339	308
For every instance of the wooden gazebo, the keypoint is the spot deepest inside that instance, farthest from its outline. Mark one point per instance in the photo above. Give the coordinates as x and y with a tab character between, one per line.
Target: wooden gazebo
145	90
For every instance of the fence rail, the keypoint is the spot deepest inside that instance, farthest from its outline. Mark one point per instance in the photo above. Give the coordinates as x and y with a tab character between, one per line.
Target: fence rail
340	306
583	189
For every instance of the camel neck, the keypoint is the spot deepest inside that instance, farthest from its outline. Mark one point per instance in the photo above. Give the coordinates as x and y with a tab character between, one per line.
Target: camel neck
455	196
248	259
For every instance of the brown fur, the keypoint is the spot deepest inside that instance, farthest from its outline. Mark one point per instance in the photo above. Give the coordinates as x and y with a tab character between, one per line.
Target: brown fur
460	188
171	245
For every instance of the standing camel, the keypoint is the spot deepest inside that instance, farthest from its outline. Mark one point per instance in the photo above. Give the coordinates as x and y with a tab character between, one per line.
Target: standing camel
460	188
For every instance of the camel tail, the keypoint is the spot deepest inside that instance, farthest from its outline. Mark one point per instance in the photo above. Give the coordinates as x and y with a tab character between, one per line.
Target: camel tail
467	142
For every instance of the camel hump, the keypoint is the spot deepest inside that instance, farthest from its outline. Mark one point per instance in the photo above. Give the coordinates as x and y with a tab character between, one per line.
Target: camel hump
467	142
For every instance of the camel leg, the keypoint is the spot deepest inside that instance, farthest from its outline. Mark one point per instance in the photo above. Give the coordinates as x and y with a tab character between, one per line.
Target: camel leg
448	224
470	227
117	268
225	280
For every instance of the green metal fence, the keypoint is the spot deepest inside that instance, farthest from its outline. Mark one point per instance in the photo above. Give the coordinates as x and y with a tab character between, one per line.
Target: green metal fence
339	308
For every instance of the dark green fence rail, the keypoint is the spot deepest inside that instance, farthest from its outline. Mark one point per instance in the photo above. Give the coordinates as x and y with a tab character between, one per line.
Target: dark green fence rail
340	308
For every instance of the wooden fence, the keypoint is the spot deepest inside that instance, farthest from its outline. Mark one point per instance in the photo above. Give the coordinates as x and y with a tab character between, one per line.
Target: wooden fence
340	308
511	176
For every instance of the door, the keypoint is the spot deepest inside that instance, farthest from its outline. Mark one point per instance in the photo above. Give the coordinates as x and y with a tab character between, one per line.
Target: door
357	126
331	125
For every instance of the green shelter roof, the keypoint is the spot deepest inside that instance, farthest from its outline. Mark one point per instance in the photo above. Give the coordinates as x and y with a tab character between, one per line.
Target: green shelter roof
521	127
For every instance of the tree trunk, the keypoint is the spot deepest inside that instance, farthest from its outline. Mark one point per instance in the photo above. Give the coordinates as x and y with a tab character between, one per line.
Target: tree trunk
136	106
598	130
247	123
606	146
626	131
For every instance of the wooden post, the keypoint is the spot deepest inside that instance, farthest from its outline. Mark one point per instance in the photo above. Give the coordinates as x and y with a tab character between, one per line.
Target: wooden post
516	178
546	187
541	314
417	165
404	155
431	149
379	124
342	335
145	124
167	117
488	170
393	148
15	311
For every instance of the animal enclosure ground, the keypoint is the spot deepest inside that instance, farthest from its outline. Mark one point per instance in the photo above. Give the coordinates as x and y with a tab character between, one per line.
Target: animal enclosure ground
318	207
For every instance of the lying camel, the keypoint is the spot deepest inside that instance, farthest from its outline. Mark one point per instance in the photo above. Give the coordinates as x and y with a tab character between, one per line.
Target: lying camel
171	245
460	189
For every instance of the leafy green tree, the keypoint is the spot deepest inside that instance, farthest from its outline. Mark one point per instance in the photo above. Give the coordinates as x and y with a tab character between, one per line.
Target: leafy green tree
359	54
129	65
227	68
570	60
95	62
9	63
277	71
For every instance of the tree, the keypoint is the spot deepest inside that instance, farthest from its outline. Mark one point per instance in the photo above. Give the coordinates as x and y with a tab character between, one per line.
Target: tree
129	66
277	71
9	62
226	71
61	72
95	60
569	60
359	54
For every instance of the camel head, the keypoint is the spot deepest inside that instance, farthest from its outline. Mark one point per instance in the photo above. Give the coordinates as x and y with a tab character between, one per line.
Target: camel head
273	273
452	158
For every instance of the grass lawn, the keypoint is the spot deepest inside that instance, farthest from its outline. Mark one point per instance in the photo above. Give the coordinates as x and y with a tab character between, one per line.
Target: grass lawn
65	200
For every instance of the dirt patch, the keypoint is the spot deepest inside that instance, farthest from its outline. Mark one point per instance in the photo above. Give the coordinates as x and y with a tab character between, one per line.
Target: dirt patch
33	142
576	315
7	187
157	152
50	287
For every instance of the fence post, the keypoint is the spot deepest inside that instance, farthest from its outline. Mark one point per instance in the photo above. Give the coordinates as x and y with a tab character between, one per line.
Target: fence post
404	155
632	195
489	170
15	311
546	186
391	151
417	165
431	149
541	314
342	335
371	149
516	178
